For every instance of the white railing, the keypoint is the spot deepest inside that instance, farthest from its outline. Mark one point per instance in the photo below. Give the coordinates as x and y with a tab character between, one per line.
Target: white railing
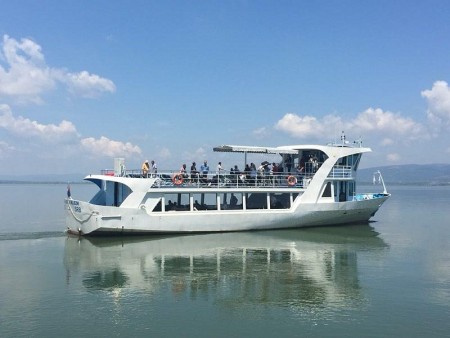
340	171
225	179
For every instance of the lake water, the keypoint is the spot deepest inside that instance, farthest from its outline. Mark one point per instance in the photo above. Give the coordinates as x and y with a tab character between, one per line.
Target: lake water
390	278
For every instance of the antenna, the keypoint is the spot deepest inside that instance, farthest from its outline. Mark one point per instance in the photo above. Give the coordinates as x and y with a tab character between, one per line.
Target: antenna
343	138
358	142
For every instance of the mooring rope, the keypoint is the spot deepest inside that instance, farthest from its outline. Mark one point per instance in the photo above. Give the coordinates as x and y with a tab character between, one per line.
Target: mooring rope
78	219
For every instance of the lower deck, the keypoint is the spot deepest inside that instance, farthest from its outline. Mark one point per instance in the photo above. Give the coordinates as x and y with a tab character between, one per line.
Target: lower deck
204	201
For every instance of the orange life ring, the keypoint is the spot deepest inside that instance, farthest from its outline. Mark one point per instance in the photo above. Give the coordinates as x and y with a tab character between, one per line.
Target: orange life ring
291	180
177	179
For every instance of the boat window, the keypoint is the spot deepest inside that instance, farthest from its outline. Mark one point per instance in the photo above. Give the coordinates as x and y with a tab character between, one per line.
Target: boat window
112	194
351	188
351	161
256	200
357	158
179	202
99	198
158	206
231	201
335	184
280	201
205	201
309	161
122	191
327	190
342	191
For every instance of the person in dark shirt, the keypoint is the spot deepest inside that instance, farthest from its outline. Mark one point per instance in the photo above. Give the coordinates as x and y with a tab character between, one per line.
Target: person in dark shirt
194	172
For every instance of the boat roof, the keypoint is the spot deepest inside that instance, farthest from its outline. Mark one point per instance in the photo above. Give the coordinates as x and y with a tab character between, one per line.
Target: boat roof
252	149
292	149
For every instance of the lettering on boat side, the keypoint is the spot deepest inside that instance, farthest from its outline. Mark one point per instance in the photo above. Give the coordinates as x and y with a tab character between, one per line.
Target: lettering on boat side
76	205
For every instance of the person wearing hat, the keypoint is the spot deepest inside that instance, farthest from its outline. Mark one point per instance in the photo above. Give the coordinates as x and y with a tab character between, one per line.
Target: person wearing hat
145	168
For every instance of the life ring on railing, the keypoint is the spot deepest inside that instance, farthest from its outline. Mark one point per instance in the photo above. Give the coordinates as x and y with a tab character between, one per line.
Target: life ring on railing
291	180
177	179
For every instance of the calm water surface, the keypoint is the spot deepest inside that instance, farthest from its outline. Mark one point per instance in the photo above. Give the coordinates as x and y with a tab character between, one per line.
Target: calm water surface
388	278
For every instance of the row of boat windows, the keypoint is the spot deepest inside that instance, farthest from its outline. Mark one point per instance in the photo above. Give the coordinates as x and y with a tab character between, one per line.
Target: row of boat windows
341	190
338	190
224	201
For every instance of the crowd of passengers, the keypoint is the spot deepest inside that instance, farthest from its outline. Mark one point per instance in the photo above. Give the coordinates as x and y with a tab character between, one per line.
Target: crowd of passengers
250	174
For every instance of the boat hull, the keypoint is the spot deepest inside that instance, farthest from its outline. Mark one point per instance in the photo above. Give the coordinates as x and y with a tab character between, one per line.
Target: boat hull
84	218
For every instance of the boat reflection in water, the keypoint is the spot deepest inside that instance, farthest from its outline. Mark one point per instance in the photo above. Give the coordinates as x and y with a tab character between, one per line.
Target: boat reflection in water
307	267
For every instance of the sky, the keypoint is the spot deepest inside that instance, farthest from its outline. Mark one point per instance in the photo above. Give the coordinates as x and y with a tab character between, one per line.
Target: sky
83	82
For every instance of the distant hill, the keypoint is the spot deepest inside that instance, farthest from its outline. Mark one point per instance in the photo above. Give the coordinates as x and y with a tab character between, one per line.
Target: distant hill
429	174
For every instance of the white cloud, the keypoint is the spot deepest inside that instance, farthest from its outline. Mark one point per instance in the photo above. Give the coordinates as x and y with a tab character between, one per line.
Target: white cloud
199	153
387	142
371	121
106	147
27	128
87	85
298	126
393	157
388	122
164	153
260	133
438	98
25	77
5	148
60	136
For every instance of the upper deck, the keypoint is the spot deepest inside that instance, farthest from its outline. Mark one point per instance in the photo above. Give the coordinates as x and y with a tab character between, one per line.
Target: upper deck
295	168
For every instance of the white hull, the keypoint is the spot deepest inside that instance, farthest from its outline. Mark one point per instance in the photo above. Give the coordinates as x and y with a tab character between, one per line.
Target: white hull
104	219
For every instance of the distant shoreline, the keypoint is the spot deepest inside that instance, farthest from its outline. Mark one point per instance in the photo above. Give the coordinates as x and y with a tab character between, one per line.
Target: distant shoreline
413	174
41	182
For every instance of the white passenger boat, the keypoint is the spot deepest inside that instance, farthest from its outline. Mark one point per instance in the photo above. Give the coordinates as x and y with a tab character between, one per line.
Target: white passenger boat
315	185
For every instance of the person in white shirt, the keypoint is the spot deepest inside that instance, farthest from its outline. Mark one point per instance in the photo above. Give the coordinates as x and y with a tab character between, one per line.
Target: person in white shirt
153	168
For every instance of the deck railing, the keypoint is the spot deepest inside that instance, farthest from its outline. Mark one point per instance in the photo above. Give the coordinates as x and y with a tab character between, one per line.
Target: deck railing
298	179
224	179
340	171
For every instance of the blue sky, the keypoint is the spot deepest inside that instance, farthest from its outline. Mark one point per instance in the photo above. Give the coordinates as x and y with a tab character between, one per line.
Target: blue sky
82	82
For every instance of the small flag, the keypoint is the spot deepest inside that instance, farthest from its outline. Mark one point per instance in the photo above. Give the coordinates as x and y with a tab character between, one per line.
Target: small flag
68	191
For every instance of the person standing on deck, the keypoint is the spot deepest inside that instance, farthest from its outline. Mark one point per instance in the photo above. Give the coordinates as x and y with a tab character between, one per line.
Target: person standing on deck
219	172
219	168
204	169
194	172
153	169
253	173
183	171
288	163
145	168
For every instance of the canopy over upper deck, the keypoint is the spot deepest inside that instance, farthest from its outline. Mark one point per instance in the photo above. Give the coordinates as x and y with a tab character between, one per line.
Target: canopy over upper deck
251	149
